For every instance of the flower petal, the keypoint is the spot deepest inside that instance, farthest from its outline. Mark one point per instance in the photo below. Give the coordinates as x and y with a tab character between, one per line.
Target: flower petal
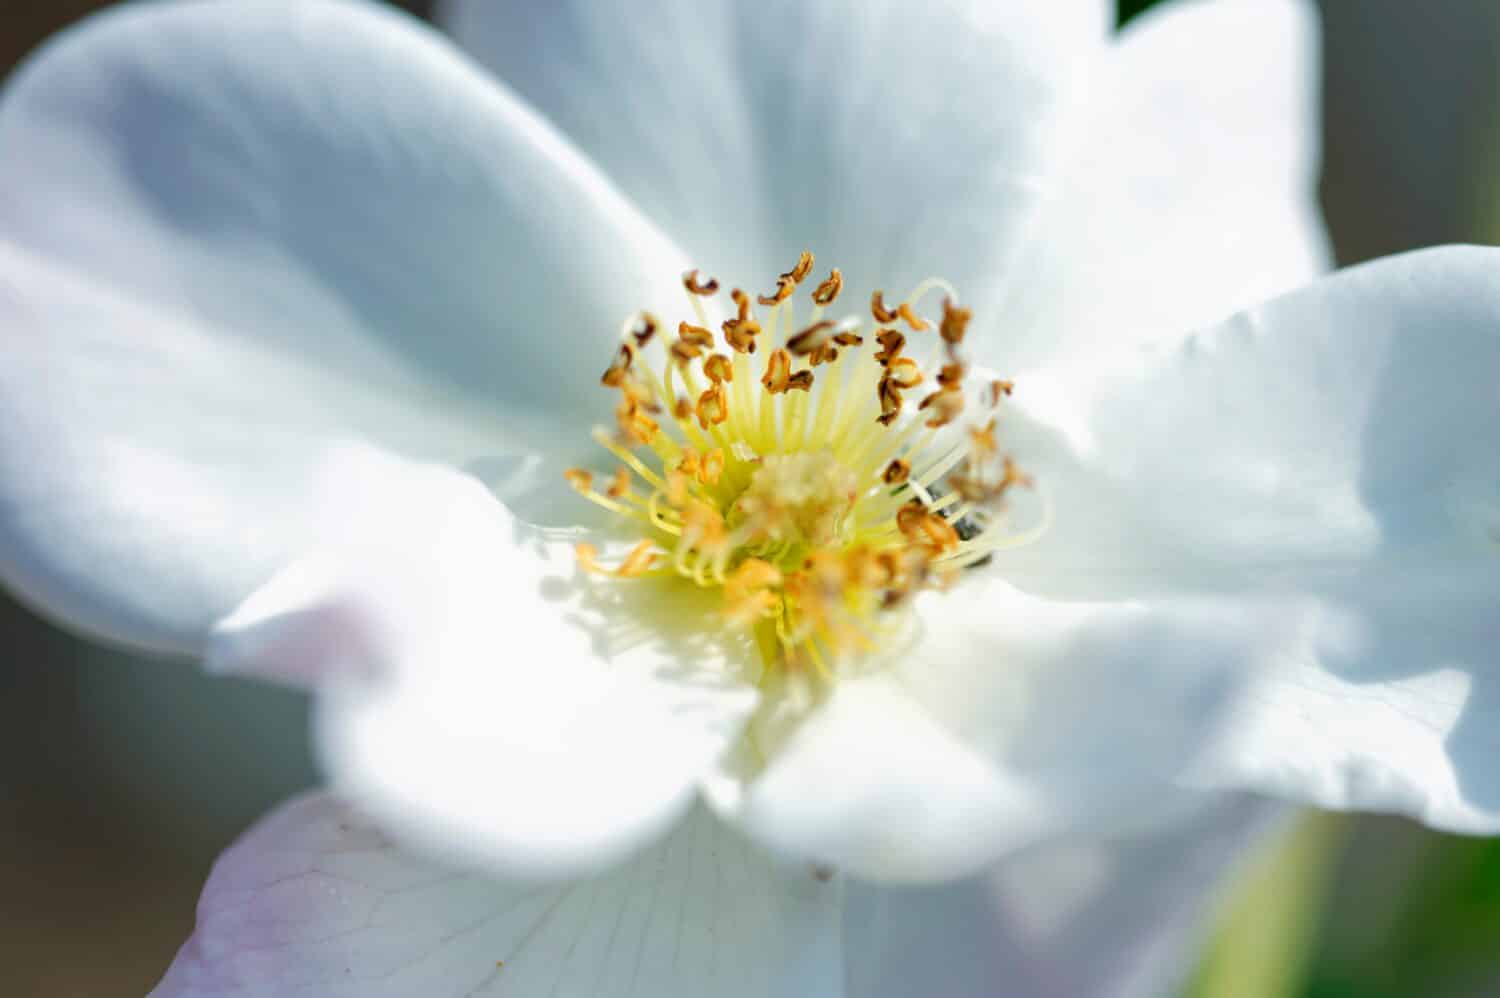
1333	445
241	229
1120	916
314	902
1193	196
1009	720
473	696
893	141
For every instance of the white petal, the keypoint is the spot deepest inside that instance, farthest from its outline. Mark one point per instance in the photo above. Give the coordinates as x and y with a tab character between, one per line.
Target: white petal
1010	719
240	229
1335	444
314	902
476	697
1194	194
894	141
1109	917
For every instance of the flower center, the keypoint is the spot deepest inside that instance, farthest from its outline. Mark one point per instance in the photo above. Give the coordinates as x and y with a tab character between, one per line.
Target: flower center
819	485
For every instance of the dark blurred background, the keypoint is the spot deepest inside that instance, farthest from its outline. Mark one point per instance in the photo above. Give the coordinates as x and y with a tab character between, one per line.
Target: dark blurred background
120	780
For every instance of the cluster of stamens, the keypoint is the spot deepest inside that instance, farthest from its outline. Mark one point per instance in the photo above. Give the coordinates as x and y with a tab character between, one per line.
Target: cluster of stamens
819	501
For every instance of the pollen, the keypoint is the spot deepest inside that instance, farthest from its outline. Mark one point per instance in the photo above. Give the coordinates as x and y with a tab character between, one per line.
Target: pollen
818	472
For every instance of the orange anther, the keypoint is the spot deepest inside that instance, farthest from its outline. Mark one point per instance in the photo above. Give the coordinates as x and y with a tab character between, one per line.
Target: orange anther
713	407
784	288
896	472
891	341
800	381
614	375
804	267
695	286
952	375
995	391
809	339
983	438
878	309
638	562
718	368
955	323
915	321
711	467
778	371
904	373
645	329
945	405
825	293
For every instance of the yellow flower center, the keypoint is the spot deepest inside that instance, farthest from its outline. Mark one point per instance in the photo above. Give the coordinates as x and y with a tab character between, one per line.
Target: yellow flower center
819	474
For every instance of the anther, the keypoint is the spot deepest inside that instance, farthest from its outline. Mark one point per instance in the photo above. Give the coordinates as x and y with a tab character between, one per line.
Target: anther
891	342
588	559
711	467
696	335
614	375
718	368
945	404
638	562
740	334
635	425
778	371
804	267
825	293
896	472
682	408
955	323
878	309
1013	475
695	286
995	391
619	488
983	439
645	330
580	478
784	288
848	339
713	407
747	594
824	353
801	381
951	376
811	338
915	321
904	373
890	400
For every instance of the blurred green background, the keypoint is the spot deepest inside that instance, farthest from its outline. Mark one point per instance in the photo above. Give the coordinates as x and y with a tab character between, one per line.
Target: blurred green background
120	780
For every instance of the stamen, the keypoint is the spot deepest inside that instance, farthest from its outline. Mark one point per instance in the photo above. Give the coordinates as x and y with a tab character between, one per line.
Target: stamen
796	492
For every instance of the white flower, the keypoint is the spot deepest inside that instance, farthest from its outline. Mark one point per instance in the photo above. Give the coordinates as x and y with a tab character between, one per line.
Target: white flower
282	283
